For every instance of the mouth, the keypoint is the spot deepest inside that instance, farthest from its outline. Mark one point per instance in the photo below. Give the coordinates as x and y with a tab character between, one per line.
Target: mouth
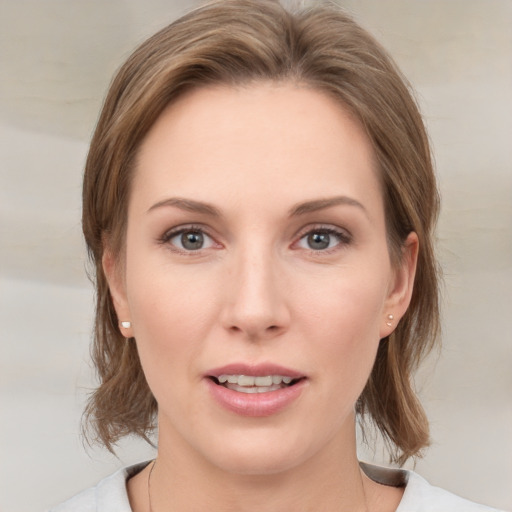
255	383
255	390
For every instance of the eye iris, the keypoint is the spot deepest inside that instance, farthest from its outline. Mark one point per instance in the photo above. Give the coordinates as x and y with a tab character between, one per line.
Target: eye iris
319	240
192	240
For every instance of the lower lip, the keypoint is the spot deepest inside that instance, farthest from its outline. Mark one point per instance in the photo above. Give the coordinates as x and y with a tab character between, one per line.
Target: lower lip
255	404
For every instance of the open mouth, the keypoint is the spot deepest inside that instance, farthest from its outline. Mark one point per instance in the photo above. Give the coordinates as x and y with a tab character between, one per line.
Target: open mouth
255	384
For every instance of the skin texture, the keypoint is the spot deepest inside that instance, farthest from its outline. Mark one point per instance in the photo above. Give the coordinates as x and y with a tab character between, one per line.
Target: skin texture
257	292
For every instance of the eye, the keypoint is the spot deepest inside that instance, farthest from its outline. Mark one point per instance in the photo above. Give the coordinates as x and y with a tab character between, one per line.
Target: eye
322	239
189	239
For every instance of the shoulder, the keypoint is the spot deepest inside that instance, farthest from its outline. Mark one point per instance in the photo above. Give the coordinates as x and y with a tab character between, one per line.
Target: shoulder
83	502
420	496
109	495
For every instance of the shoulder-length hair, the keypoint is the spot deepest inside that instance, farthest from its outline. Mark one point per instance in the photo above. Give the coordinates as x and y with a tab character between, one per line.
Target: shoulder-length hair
236	42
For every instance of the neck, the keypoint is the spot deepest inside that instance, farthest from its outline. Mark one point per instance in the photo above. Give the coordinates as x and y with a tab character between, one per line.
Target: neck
329	481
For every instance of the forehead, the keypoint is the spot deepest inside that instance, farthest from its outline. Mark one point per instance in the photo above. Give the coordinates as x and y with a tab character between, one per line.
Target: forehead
263	141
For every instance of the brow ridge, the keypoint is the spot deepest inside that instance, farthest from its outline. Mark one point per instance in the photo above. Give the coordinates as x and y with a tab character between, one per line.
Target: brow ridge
321	204
194	206
189	205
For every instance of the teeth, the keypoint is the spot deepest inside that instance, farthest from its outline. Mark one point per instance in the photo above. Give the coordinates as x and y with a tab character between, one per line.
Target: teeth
248	381
254	389
263	381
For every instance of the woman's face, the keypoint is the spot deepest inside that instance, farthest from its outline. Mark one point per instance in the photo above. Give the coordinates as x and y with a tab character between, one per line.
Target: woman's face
256	247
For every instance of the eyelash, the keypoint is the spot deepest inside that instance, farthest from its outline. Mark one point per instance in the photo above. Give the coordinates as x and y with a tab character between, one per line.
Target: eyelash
343	237
172	233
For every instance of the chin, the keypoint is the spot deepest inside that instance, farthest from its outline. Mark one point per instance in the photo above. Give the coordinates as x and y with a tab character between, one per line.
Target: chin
257	464
258	453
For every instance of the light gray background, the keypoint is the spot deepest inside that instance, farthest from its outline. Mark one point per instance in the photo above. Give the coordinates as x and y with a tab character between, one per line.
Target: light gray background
56	60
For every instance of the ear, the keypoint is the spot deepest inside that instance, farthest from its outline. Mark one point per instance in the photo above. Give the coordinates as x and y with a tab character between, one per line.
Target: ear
114	272
401	286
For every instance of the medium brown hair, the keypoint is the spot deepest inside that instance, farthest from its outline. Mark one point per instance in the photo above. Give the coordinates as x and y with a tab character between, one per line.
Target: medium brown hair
237	42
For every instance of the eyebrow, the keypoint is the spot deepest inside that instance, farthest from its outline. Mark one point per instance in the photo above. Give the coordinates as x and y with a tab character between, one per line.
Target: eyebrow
188	205
321	204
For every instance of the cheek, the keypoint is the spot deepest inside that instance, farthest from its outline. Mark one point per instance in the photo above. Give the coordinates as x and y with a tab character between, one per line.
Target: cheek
349	305
344	319
171	315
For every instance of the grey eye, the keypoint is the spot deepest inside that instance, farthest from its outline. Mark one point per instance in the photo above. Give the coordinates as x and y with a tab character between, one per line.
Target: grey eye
191	240
323	238
318	241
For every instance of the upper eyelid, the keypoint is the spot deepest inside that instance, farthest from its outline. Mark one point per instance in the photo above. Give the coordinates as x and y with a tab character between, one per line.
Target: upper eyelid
319	227
172	232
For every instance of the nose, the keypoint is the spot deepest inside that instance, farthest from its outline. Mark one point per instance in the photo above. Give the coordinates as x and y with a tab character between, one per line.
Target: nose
256	303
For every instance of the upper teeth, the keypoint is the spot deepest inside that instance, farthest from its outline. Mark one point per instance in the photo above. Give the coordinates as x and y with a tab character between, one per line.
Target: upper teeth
248	380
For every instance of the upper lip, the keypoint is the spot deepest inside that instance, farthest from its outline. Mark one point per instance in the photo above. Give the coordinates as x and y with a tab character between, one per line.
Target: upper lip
254	370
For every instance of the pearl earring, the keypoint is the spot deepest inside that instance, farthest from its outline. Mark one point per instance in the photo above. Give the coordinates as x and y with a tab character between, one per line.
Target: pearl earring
126	325
389	323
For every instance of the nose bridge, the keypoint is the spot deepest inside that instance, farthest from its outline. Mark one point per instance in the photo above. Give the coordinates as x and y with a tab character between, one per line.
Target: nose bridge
256	305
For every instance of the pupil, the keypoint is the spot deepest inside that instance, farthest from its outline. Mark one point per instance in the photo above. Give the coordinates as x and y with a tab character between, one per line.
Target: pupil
318	240
192	241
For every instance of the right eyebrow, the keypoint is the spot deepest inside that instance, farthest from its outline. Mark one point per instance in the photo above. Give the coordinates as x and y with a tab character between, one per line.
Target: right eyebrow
188	205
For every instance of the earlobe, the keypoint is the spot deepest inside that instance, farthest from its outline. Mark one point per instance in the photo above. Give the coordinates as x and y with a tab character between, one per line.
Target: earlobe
401	288
114	274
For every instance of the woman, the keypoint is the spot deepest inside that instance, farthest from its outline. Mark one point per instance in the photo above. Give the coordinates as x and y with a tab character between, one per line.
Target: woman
259	202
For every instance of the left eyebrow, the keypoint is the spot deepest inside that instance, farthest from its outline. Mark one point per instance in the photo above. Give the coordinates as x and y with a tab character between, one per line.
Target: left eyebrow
321	204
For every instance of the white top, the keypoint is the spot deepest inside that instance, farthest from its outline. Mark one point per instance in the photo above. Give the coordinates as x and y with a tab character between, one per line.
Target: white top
110	494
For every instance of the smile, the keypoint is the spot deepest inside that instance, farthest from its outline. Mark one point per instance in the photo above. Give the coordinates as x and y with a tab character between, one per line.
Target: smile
255	390
254	384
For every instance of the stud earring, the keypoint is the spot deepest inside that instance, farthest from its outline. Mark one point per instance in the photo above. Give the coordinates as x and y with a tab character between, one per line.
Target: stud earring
126	325
389	323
